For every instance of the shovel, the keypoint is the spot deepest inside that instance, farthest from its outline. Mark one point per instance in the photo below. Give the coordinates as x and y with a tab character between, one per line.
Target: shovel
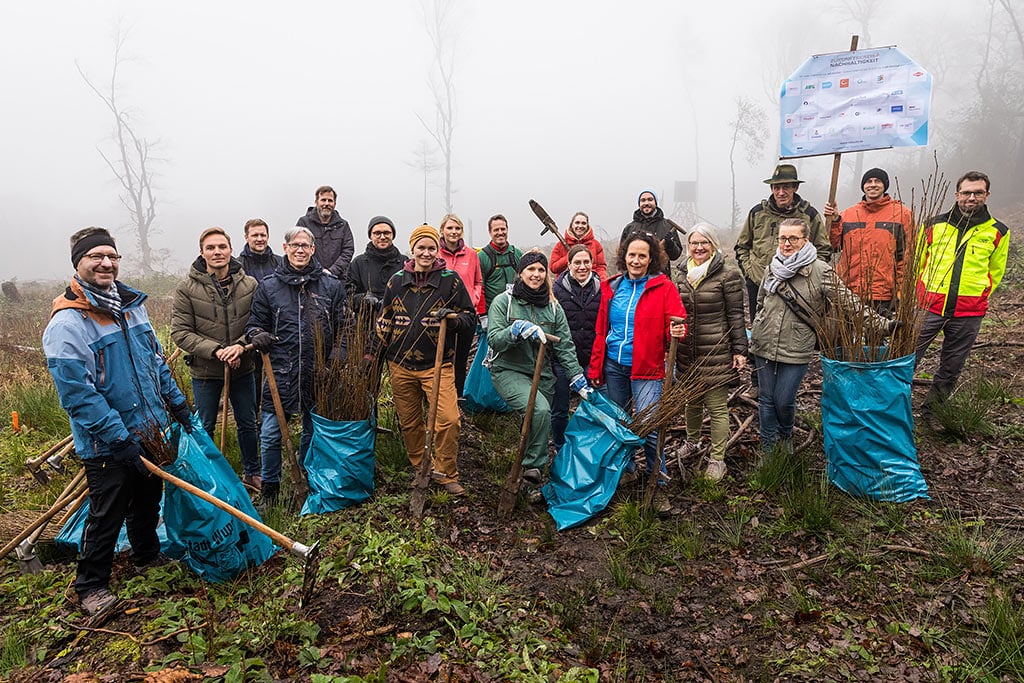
422	481
548	221
300	486
670	363
73	488
61	448
515	476
310	555
28	562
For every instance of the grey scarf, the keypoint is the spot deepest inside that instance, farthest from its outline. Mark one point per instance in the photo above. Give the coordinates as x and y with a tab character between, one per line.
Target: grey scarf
782	268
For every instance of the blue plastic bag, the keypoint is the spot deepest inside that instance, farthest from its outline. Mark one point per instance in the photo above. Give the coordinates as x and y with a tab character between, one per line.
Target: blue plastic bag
869	429
70	535
586	470
217	546
339	464
479	390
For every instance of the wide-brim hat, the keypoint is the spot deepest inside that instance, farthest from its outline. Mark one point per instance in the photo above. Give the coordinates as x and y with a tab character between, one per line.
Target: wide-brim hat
784	173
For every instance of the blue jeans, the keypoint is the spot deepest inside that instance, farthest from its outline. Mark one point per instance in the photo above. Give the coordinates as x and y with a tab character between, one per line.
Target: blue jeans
242	394
559	407
776	398
641	393
270	441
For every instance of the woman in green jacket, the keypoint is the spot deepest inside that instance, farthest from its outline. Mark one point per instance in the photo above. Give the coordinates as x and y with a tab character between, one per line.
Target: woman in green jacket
518	322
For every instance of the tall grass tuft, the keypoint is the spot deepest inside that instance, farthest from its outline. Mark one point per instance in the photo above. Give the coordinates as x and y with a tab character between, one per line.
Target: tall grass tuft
966	412
38	407
1001	656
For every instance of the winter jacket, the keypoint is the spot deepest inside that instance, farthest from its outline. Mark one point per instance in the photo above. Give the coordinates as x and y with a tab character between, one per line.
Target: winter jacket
371	270
871	239
498	269
758	239
781	335
657	225
560	253
581	304
112	378
297	307
717	330
205	318
648	326
466	263
259	265
408	328
961	261
507	352
334	244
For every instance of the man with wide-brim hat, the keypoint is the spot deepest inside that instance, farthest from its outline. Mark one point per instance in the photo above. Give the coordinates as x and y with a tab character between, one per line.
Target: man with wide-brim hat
758	239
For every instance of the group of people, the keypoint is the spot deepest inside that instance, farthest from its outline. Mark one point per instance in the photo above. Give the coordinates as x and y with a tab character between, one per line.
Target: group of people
611	333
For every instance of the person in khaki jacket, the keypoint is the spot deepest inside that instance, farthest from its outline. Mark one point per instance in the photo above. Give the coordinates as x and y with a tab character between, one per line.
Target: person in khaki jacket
211	309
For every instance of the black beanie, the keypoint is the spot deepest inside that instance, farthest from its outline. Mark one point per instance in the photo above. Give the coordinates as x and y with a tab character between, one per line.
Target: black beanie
380	219
531	257
876	173
89	242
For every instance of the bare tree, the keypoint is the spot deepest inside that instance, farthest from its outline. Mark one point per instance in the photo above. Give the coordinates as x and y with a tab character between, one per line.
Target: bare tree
749	131
427	163
131	163
439	18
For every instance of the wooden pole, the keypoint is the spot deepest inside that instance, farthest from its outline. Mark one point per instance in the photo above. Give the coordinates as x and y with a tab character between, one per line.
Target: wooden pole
838	155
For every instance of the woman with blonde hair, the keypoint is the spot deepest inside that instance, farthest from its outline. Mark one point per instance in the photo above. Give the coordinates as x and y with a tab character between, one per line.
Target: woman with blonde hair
461	258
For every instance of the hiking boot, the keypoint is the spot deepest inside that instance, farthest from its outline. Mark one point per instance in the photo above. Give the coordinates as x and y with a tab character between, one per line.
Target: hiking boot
660	502
533	476
715	470
454	488
253	481
97	602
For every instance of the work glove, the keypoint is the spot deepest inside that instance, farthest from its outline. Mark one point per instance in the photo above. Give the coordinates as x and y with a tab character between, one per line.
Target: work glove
524	329
893	326
129	452
580	385
483	322
183	415
371	301
262	340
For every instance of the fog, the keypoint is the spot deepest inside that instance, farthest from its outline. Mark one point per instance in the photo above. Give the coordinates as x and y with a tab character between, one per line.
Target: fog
578	104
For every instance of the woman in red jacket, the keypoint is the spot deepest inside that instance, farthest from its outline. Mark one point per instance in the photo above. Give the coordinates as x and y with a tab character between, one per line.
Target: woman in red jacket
633	327
461	258
579	232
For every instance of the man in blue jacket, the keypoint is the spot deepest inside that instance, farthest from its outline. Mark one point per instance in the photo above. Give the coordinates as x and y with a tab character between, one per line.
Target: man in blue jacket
290	310
113	381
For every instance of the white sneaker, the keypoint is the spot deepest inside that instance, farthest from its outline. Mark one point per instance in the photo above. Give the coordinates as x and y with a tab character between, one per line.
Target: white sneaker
715	470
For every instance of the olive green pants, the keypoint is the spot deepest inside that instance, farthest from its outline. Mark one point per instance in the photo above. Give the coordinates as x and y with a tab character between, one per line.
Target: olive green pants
514	388
716	401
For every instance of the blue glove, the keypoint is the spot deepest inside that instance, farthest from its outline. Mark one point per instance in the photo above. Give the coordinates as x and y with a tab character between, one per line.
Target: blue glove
129	452
580	386
524	329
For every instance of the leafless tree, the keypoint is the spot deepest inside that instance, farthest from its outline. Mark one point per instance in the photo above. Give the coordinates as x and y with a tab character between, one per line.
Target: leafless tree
426	163
749	131
131	162
439	20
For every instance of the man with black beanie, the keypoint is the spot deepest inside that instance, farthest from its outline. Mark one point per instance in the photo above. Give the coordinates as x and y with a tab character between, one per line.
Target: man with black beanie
370	271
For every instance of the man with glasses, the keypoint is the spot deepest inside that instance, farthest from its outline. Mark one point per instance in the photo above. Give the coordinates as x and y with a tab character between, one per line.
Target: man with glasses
295	311
370	271
332	233
113	381
961	258
758	238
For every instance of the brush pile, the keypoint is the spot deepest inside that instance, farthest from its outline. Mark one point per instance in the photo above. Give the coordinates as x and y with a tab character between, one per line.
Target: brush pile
346	385
688	386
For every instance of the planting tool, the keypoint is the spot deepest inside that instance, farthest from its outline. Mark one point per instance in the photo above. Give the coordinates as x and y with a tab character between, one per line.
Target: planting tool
62	448
300	485
675	226
670	364
74	486
224	414
549	223
515	476
422	481
28	562
310	555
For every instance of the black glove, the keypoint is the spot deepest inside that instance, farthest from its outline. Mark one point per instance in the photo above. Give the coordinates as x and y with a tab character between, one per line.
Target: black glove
262	341
442	313
183	415
129	452
371	301
893	326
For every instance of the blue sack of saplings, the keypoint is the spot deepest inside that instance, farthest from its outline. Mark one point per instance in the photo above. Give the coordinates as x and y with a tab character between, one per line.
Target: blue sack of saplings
869	429
479	390
339	464
70	535
586	470
217	546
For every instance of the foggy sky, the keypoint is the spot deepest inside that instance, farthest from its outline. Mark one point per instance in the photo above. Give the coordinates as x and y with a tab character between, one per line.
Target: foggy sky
578	104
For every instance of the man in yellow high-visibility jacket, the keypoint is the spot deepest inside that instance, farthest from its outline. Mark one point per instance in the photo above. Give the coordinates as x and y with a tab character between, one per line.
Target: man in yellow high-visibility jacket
961	257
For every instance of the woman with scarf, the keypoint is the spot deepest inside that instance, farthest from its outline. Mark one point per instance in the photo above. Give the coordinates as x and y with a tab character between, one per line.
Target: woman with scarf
633	328
712	293
464	261
415	300
518	322
794	293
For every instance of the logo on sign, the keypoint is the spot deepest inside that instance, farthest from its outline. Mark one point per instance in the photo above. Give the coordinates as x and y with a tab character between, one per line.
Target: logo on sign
844	82
825	85
895	109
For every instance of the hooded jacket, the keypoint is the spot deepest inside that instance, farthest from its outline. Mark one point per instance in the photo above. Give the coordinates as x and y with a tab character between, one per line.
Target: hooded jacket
334	244
581	304
112	377
758	238
296	307
371	270
259	265
206	318
506	352
466	263
660	228
871	239
560	253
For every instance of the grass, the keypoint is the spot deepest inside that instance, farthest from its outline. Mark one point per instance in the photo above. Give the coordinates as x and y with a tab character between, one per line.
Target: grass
1001	655
966	413
964	546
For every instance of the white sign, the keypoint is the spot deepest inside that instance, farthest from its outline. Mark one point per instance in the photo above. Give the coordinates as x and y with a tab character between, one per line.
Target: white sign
854	101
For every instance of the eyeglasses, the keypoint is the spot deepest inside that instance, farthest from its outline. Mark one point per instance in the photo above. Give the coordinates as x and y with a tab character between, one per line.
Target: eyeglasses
300	246
976	193
379	233
700	243
97	259
795	239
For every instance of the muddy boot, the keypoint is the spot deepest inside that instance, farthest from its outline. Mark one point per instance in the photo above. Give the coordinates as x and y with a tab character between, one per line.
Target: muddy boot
270	491
715	470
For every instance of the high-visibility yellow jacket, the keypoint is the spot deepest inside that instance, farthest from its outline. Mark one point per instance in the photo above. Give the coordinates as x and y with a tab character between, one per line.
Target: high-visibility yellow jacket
960	262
